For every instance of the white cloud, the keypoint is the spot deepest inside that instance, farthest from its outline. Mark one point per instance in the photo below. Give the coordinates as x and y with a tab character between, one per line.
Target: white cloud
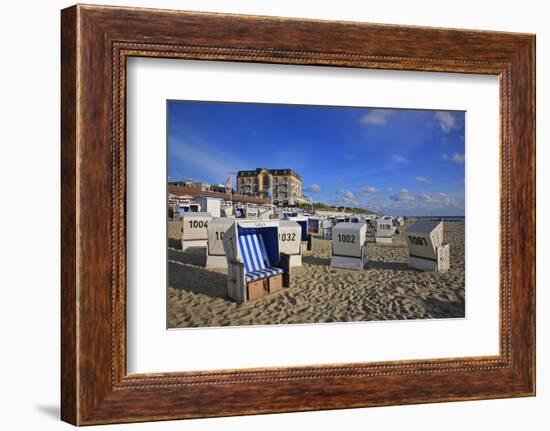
390	189
425	197
213	165
446	120
405	203
368	190
422	180
403	195
314	188
444	198
378	117
441	199
455	157
396	158
347	198
346	194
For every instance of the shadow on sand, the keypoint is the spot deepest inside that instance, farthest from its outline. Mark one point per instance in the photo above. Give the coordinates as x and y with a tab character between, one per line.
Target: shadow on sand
174	243
444	309
192	256
396	266
314	260
197	280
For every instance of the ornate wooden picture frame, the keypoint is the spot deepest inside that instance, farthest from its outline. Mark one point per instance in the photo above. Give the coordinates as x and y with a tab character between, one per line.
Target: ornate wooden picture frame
96	41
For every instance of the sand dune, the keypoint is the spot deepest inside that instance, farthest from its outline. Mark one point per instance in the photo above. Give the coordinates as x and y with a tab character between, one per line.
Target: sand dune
386	290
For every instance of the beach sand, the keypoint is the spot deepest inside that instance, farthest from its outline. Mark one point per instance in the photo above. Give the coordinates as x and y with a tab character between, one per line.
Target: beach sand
387	289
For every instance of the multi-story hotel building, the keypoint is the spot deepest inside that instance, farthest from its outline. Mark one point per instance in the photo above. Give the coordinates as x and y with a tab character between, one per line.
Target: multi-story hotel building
283	186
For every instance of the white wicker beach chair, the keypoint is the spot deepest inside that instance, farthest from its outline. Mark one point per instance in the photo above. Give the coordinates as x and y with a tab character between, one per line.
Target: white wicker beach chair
427	251
290	241
194	231
227	211
384	231
314	225
239	212
215	253
209	204
256	267
349	246
306	236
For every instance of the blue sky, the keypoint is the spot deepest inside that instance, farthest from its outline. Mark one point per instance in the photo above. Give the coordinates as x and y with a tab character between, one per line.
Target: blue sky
402	162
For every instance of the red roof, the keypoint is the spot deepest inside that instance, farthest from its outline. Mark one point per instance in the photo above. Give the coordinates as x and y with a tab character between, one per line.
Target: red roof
182	190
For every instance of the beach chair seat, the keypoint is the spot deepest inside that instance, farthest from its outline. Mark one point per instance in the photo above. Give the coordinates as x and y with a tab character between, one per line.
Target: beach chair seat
262	273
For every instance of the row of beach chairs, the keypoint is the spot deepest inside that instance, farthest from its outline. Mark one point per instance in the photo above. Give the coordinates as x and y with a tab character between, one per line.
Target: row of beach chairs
259	255
203	230
427	250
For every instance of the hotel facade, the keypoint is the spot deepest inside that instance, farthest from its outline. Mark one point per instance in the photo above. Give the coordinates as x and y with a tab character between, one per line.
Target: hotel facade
282	186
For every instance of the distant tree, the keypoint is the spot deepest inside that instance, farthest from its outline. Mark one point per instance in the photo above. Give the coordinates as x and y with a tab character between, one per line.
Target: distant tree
324	206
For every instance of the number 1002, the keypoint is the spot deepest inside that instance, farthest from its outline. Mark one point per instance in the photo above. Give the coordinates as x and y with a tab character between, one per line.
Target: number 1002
346	238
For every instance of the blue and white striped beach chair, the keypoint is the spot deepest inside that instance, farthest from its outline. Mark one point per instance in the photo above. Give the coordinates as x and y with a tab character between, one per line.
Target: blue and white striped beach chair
252	252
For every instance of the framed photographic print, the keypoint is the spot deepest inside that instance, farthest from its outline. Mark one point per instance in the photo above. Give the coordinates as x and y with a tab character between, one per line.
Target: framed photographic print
267	215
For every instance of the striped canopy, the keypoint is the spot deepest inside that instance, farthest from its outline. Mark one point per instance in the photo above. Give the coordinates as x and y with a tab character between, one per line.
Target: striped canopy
255	258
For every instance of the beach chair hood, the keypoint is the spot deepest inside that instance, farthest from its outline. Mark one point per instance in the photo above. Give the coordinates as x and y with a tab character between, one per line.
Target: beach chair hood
384	228
290	237
216	231
348	239
424	237
303	222
195	226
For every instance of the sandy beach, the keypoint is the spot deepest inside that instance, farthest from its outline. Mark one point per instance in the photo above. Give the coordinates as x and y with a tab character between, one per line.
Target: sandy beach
387	289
